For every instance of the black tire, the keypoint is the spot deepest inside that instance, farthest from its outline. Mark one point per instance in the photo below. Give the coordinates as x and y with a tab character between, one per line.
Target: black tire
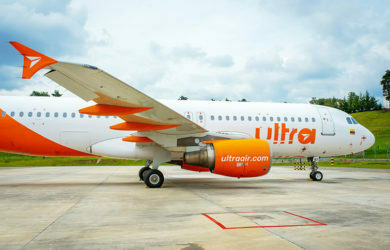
311	176
153	178
141	172
317	176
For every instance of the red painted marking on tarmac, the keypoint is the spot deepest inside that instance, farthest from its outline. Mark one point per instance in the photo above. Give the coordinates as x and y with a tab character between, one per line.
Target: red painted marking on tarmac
317	223
320	223
215	221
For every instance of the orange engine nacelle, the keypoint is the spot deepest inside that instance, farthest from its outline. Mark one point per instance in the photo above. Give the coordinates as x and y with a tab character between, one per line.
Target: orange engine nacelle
234	158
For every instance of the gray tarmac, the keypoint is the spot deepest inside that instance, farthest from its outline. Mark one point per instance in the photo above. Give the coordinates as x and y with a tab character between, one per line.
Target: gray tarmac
108	207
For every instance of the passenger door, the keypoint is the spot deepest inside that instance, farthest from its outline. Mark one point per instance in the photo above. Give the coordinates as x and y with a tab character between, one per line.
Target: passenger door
327	121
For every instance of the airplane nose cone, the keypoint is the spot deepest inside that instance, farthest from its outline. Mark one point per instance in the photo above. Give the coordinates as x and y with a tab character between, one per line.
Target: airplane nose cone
370	138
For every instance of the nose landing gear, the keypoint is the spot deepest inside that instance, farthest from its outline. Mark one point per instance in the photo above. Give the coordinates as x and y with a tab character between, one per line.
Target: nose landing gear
315	175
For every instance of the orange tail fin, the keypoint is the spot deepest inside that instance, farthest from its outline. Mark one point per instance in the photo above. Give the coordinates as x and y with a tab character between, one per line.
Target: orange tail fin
33	60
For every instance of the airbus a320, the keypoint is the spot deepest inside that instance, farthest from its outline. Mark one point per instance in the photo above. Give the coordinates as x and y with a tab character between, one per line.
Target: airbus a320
113	119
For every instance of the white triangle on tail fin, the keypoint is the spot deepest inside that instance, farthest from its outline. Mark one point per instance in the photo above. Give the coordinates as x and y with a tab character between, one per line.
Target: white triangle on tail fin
34	60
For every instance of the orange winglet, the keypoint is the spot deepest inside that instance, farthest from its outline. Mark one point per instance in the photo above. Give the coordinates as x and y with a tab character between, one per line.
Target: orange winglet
33	60
110	110
135	126
133	138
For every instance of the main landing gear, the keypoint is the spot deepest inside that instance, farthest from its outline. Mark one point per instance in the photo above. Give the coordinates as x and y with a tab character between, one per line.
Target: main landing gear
315	175
153	178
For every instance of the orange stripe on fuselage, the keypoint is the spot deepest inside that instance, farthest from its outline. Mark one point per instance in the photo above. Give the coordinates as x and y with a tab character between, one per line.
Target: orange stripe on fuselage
16	138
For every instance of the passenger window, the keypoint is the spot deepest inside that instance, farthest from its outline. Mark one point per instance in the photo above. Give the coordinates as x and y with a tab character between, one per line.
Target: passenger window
21	114
299	119
249	118
271	119
313	119
242	118
212	118
114	116
349	120
285	119
106	117
354	121
220	117
227	118
264	118
235	118
3	114
47	114
278	118
306	119
64	115
90	116
82	116
29	114
56	114
99	116
292	119
73	115
39	114
257	118
12	114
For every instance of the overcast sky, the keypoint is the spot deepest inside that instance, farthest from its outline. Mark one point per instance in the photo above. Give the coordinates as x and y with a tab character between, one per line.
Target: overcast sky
259	50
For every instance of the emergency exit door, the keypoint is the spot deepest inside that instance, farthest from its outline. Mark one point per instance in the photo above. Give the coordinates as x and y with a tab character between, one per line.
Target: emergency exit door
200	118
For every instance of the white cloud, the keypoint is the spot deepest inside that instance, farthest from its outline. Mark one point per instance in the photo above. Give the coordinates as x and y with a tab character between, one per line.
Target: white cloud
260	50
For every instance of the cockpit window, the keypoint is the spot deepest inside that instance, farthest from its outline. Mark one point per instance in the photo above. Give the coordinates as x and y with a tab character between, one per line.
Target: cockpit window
354	121
349	120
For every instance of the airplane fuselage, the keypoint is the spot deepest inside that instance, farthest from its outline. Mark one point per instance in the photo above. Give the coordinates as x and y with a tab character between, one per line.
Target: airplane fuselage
292	130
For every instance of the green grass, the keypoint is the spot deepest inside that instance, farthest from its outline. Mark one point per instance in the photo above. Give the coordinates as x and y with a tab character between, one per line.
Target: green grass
12	160
378	122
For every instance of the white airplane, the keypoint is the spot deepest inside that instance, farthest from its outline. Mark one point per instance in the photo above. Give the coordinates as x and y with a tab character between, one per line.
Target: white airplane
112	119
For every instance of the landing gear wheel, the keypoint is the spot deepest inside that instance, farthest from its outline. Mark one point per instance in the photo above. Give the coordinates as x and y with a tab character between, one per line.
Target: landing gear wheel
316	176
142	172
153	178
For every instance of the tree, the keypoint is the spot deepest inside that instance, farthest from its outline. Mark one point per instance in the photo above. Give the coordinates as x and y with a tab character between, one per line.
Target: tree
212	99
39	93
350	104
243	100
386	84
183	98
56	93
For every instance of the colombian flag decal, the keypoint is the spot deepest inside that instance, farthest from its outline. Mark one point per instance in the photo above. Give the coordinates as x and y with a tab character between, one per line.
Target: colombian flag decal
352	131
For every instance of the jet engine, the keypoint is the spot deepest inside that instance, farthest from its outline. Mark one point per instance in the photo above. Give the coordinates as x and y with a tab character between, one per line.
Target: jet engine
234	158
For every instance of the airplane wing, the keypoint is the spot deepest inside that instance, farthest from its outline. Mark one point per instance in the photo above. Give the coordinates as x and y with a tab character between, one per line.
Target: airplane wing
112	96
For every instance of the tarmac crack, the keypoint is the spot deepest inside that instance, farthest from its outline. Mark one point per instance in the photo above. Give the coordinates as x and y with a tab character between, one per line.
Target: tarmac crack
64	213
283	238
208	200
